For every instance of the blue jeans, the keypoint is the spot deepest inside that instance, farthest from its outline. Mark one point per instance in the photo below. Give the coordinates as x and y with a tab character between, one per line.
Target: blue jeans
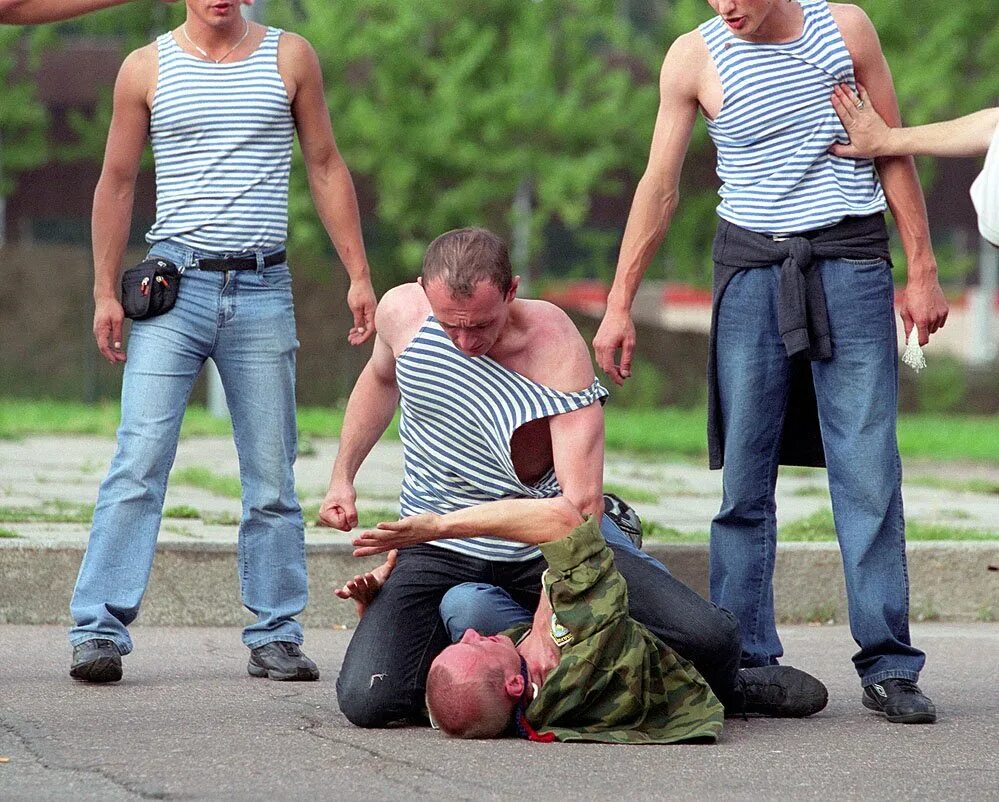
244	321
856	391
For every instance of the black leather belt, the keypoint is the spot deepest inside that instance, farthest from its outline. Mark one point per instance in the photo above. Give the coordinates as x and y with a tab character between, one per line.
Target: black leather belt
240	262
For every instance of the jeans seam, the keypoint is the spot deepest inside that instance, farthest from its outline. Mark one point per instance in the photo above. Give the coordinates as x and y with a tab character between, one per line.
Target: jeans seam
897	673
275	639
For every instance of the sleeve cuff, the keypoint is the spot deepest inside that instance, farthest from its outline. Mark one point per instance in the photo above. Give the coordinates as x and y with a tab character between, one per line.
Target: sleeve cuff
582	543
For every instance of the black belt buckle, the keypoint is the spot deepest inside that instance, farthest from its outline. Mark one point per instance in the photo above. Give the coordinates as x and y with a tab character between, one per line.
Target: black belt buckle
239	262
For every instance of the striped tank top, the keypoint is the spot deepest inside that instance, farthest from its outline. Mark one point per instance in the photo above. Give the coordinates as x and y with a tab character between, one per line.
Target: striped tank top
458	415
221	137
776	125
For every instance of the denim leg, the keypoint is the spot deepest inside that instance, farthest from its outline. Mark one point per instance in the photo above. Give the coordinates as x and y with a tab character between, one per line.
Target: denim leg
857	394
384	672
255	355
693	627
165	355
486	608
753	378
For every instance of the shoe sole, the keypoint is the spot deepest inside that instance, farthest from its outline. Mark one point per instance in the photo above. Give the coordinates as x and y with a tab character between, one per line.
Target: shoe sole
302	675
99	671
928	717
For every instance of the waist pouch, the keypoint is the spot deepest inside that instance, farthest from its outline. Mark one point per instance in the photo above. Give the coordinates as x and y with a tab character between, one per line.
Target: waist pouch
149	289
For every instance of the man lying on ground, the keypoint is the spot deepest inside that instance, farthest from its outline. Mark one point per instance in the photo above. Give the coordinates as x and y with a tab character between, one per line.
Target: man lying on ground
614	682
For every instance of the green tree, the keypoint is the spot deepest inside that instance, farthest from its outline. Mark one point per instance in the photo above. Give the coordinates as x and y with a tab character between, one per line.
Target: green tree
448	109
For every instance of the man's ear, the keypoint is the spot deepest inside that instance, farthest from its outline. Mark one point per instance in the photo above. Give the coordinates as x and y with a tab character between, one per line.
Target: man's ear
513	289
419	280
514	685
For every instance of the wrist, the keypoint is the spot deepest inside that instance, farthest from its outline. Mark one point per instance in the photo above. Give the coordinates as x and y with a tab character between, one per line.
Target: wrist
359	273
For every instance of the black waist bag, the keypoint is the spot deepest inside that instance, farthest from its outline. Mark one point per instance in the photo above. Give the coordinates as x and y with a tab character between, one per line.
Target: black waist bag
149	289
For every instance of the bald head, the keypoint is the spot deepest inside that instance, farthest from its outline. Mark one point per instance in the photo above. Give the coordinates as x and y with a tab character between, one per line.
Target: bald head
468	695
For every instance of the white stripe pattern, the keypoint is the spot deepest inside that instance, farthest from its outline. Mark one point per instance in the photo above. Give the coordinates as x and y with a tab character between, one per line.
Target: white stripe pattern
776	125
221	137
458	415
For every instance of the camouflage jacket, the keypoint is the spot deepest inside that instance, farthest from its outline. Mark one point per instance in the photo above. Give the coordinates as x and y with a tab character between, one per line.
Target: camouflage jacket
616	682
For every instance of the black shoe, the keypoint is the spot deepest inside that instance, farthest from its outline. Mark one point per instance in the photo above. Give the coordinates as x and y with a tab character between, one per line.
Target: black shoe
281	660
627	520
780	692
96	660
901	701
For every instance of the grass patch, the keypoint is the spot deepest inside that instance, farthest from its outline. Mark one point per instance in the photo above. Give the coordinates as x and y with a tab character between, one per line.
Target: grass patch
52	512
220	519
181	511
367	517
651	530
207	479
819	527
631	494
985	486
8	533
661	432
810	490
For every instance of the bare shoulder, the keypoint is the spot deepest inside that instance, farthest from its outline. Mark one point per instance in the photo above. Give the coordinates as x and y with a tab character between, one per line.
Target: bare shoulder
400	313
854	25
558	354
137	75
295	46
685	62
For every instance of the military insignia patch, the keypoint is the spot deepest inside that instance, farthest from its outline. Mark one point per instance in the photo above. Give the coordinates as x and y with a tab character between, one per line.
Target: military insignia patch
560	634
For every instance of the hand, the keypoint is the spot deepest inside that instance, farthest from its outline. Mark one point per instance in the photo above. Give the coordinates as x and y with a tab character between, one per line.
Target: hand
616	331
397	534
361	300
867	131
540	653
338	509
923	306
108	320
364	587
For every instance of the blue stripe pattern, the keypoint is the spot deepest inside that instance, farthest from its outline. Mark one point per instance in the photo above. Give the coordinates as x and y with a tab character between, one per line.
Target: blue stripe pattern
458	415
221	136
776	125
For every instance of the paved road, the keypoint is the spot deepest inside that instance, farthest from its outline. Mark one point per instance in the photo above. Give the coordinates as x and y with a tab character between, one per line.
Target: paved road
187	723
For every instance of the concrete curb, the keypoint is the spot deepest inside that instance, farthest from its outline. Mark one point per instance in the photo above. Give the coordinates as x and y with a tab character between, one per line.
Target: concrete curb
196	584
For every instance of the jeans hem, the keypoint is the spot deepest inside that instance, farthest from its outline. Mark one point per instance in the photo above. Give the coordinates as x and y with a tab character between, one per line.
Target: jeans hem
122	649
896	673
287	638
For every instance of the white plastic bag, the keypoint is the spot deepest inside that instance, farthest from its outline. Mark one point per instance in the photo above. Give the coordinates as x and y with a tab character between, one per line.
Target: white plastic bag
913	354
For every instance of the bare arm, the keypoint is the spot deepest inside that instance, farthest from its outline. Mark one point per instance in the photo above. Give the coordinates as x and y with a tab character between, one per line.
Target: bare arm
329	179
112	214
27	12
656	200
924	305
870	136
369	410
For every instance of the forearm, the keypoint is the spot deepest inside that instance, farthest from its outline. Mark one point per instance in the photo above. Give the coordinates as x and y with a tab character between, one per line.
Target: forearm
336	202
905	198
25	12
530	521
966	136
651	213
112	220
369	411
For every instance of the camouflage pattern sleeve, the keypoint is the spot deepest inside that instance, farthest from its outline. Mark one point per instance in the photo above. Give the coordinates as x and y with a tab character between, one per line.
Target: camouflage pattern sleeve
582	583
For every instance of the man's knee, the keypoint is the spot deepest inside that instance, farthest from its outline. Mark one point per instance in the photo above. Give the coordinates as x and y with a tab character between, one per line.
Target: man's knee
371	702
467	606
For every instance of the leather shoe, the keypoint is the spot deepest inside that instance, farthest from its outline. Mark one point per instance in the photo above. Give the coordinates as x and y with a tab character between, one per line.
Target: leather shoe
900	700
780	692
281	660
96	660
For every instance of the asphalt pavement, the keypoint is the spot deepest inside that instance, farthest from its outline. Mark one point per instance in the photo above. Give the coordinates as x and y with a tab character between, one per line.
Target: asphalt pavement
188	723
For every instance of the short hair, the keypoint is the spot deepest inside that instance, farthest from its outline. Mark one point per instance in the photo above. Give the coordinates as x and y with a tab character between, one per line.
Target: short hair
466	256
470	706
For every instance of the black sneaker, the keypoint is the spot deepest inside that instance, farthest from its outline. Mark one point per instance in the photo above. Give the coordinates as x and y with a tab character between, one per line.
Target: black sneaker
627	520
779	692
281	660
96	660
901	701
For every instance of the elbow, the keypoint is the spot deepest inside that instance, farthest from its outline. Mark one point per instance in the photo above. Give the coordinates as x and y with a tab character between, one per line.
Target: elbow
573	510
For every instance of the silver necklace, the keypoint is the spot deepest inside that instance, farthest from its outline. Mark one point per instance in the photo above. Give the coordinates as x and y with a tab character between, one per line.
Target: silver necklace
246	31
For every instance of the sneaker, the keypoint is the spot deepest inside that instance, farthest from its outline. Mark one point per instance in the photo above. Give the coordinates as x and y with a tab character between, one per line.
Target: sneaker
96	660
780	692
624	515
900	700
281	660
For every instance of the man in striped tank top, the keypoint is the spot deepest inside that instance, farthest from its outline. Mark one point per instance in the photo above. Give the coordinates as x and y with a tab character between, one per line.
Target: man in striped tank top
30	12
220	100
498	401
803	359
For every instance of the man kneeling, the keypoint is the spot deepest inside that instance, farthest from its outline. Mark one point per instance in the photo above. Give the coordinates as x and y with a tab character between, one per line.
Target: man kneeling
615	681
